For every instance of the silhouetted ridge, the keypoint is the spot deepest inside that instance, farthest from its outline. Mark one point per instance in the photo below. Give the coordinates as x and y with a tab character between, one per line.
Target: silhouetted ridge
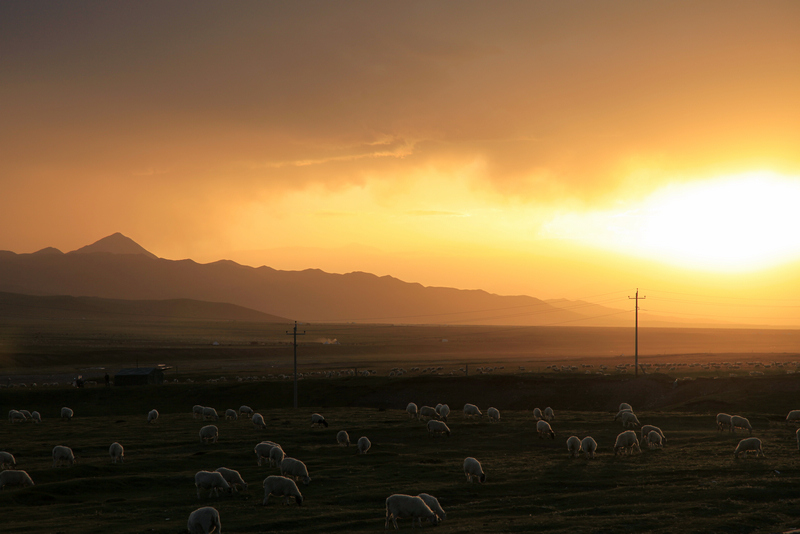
115	244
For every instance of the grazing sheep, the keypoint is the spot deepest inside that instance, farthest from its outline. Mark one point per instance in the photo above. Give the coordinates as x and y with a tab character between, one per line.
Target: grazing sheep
364	444
258	421
209	433
589	446
427	411
318	420
204	521
433	504
62	454
412	410
793	417
276	456
263	450
14	478
624	406
646	429
471	409
573	446
244	409
210	413
548	414
36	416
116	452
281	487
7	460
26	414
537	414
16	416
399	506
152	416
747	445
438	427
231	414
295	469
621	413
213	481
197	411
233	478
723	421
626	442
629	419
738	421
438	409
444	412
67	413
543	428
343	438
797	435
653	440
493	414
472	468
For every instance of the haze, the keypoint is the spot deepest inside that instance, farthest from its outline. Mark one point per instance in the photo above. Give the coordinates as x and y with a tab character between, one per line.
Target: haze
556	149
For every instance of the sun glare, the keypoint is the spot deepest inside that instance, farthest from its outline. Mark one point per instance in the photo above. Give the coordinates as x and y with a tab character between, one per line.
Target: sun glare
737	223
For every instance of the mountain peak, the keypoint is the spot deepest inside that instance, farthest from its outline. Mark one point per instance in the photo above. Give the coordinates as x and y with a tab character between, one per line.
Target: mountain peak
115	244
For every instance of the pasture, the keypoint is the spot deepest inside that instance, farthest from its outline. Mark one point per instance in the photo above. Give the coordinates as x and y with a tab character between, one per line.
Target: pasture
693	485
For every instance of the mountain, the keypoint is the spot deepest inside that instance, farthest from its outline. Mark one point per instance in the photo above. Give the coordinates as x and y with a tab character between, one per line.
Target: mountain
113	244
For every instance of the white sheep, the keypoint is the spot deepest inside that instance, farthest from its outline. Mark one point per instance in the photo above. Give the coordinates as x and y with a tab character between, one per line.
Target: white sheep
471	409
624	406
209	433
427	411
574	446
629	419
263	449
444	412
343	438
793	417
589	446
622	412
152	416
204	521
36	416
738	421
62	454
213	481
626	442
258	421
749	444
14	478
232	477
15	415
244	409
295	469
537	414
438	409
7	460
318	420
276	456
472	468
646	429
412	410
210	413
433	504
438	427
548	414
654	440
400	505
231	414
281	487
723	421
116	452
364	444
67	413
543	428
197	411
26	414
493	414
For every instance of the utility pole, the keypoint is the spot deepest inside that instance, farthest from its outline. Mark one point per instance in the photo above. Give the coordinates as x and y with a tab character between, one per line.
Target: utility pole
295	334
636	342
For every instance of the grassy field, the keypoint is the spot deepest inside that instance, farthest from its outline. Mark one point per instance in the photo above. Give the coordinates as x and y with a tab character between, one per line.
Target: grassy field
693	485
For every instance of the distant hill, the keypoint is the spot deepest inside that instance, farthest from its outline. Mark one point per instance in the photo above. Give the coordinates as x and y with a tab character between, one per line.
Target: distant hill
113	244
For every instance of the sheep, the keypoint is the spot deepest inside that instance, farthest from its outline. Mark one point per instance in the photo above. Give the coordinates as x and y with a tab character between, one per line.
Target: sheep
471	409
197	411
318	420
16	416
15	478
624	406
472	468
433	504
152	416
543	428
26	414
213	481
629	419
738	421
797	435
427	411
258	421
438	427
493	414
749	444
232	477
36	416
263	449
444	412
281	487
209	433
244	409
400	505
67	413
412	410
589	446
646	429
116	452
626	442
723	420
548	414
573	446
231	414
210	413
343	438
621	413
7	460
793	417
537	414
653	440
364	444
204	521
276	456
296	469
62	454
438	409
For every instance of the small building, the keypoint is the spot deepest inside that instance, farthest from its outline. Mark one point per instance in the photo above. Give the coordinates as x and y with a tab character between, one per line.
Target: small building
139	376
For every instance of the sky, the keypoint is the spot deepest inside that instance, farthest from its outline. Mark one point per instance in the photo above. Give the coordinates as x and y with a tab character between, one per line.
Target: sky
571	149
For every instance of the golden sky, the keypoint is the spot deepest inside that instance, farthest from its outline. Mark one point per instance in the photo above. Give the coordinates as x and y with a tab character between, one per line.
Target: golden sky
555	149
